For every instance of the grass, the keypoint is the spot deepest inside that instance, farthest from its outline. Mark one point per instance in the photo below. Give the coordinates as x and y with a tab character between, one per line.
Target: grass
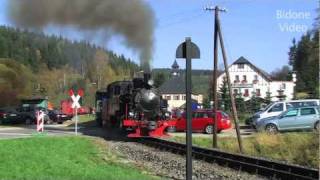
297	148
86	118
63	158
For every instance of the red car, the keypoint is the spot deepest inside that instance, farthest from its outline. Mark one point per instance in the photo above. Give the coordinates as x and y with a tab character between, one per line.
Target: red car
202	121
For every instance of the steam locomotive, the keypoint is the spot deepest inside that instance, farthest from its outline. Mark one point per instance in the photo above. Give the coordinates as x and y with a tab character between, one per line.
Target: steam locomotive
133	105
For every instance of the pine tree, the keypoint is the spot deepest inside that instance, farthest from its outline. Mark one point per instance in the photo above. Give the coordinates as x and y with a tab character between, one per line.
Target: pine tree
224	94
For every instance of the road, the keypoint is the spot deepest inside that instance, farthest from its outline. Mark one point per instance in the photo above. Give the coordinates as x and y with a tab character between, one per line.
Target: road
28	131
22	131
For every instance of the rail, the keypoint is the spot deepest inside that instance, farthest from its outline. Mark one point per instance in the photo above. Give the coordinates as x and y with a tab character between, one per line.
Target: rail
267	168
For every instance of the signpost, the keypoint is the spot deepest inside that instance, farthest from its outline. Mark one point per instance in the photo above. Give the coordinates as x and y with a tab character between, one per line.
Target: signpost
40	121
76	105
188	50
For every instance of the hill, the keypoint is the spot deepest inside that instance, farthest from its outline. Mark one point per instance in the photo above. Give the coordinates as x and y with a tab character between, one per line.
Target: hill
37	64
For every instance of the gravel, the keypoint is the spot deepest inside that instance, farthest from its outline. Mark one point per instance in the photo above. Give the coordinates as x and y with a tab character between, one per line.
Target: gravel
172	166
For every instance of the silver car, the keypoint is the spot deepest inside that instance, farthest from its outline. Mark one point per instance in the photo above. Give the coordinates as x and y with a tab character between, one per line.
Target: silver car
293	119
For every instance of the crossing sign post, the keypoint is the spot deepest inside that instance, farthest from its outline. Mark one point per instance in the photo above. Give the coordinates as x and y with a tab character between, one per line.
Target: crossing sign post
40	121
76	105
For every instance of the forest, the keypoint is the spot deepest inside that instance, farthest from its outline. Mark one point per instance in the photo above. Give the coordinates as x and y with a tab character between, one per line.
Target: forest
35	64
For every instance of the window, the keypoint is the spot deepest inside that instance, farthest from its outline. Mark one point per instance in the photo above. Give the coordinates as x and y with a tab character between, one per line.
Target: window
177	97
307	111
237	77
244	77
198	115
246	93
240	66
184	97
258	93
255	80
291	113
235	92
276	108
168	97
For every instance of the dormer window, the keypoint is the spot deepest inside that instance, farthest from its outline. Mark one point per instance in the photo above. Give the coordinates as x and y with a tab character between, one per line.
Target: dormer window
240	66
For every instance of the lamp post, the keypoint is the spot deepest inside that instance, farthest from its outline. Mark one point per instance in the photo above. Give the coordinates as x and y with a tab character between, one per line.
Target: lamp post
294	80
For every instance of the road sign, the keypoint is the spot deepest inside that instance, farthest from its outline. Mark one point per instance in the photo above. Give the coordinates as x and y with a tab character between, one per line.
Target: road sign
76	105
40	121
76	98
188	50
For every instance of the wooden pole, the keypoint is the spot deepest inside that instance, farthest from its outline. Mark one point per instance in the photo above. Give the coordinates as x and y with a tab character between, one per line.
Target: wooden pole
233	105
215	76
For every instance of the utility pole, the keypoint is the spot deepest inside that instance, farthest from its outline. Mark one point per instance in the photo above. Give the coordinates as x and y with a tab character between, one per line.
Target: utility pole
215	73
218	35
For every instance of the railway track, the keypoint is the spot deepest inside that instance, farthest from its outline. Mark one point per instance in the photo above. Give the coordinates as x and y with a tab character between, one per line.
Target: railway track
263	167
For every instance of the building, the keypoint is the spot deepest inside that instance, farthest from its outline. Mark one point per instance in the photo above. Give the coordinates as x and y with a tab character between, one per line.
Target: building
174	90
249	80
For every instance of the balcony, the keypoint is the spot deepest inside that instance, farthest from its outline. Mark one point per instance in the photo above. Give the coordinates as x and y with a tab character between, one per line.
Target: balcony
244	82
236	81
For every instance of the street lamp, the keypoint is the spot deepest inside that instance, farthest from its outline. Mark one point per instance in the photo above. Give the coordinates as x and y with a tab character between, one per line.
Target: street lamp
294	80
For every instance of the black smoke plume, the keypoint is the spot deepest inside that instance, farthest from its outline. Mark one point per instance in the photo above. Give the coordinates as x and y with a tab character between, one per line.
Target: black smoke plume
132	19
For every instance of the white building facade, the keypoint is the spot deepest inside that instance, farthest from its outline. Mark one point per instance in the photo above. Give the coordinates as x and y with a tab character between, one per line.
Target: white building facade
248	80
173	90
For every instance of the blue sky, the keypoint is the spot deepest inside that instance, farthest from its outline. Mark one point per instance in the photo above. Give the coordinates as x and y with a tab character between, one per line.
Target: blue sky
251	28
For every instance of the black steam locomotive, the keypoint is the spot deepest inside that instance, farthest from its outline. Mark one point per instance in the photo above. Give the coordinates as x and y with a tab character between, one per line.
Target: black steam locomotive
135	105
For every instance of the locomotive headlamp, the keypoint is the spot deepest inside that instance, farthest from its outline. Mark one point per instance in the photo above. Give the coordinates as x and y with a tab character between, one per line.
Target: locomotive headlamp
150	82
151	95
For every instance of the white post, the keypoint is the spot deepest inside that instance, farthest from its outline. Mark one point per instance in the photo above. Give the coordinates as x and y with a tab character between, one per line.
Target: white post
76	124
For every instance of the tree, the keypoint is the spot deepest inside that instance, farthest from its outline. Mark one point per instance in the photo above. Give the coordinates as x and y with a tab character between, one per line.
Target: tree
304	58
268	97
224	94
282	74
159	79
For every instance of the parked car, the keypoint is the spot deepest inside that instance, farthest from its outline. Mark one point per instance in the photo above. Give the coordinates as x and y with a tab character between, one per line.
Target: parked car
29	114
202	121
10	116
276	108
58	116
304	118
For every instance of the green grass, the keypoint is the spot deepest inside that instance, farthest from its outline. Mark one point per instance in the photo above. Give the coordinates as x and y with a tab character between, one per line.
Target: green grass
63	158
86	118
297	148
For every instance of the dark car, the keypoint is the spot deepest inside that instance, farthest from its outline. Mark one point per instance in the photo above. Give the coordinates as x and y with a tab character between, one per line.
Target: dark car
10	116
58	116
29	114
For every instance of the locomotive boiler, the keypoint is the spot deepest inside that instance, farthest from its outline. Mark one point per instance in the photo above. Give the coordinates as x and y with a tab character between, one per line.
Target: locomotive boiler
135	105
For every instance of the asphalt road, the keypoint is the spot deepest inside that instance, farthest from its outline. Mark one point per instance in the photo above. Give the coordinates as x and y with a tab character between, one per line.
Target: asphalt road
23	131
7	132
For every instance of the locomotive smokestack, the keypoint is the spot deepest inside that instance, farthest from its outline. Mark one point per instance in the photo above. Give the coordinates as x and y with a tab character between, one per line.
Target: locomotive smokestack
146	77
133	19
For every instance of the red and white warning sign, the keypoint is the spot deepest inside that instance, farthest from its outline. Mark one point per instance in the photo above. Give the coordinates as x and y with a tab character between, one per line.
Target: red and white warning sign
40	121
76	105
76	98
